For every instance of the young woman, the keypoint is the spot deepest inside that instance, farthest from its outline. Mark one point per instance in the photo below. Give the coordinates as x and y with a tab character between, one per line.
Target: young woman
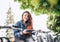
24	35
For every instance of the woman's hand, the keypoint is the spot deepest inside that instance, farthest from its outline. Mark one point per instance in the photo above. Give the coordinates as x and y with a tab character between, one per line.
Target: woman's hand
21	33
25	32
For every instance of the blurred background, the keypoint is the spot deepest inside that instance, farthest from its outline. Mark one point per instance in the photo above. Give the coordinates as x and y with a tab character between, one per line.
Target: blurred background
45	13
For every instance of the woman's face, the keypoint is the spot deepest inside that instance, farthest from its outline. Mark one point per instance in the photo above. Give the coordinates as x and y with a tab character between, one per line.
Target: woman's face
25	17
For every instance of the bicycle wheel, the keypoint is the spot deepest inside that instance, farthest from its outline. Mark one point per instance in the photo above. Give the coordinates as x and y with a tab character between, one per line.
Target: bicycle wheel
57	39
39	39
49	38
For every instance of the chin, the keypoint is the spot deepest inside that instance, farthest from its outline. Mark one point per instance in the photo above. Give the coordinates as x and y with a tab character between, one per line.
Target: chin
25	20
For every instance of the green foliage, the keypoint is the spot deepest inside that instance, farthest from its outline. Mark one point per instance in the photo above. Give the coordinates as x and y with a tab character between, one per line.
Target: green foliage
54	23
35	3
40	6
52	2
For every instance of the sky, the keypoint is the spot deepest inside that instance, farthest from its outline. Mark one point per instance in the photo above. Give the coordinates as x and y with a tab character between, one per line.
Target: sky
39	22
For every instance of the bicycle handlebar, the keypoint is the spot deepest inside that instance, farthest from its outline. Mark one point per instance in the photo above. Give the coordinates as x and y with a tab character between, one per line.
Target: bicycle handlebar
17	28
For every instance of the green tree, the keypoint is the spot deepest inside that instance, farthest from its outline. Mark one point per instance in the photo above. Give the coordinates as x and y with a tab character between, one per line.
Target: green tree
40	6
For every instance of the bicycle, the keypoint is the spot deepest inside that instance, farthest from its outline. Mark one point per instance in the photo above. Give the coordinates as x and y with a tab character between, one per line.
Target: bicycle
48	36
57	38
41	38
36	39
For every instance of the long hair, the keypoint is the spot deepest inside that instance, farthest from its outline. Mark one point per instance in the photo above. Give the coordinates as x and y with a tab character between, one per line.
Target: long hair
29	21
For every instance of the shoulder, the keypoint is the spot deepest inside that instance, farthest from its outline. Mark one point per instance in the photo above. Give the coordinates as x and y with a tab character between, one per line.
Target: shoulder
18	23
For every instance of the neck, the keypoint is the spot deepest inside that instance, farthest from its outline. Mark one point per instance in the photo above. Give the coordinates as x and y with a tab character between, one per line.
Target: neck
24	22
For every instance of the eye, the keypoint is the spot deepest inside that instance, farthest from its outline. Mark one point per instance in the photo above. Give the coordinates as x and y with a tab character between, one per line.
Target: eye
26	15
